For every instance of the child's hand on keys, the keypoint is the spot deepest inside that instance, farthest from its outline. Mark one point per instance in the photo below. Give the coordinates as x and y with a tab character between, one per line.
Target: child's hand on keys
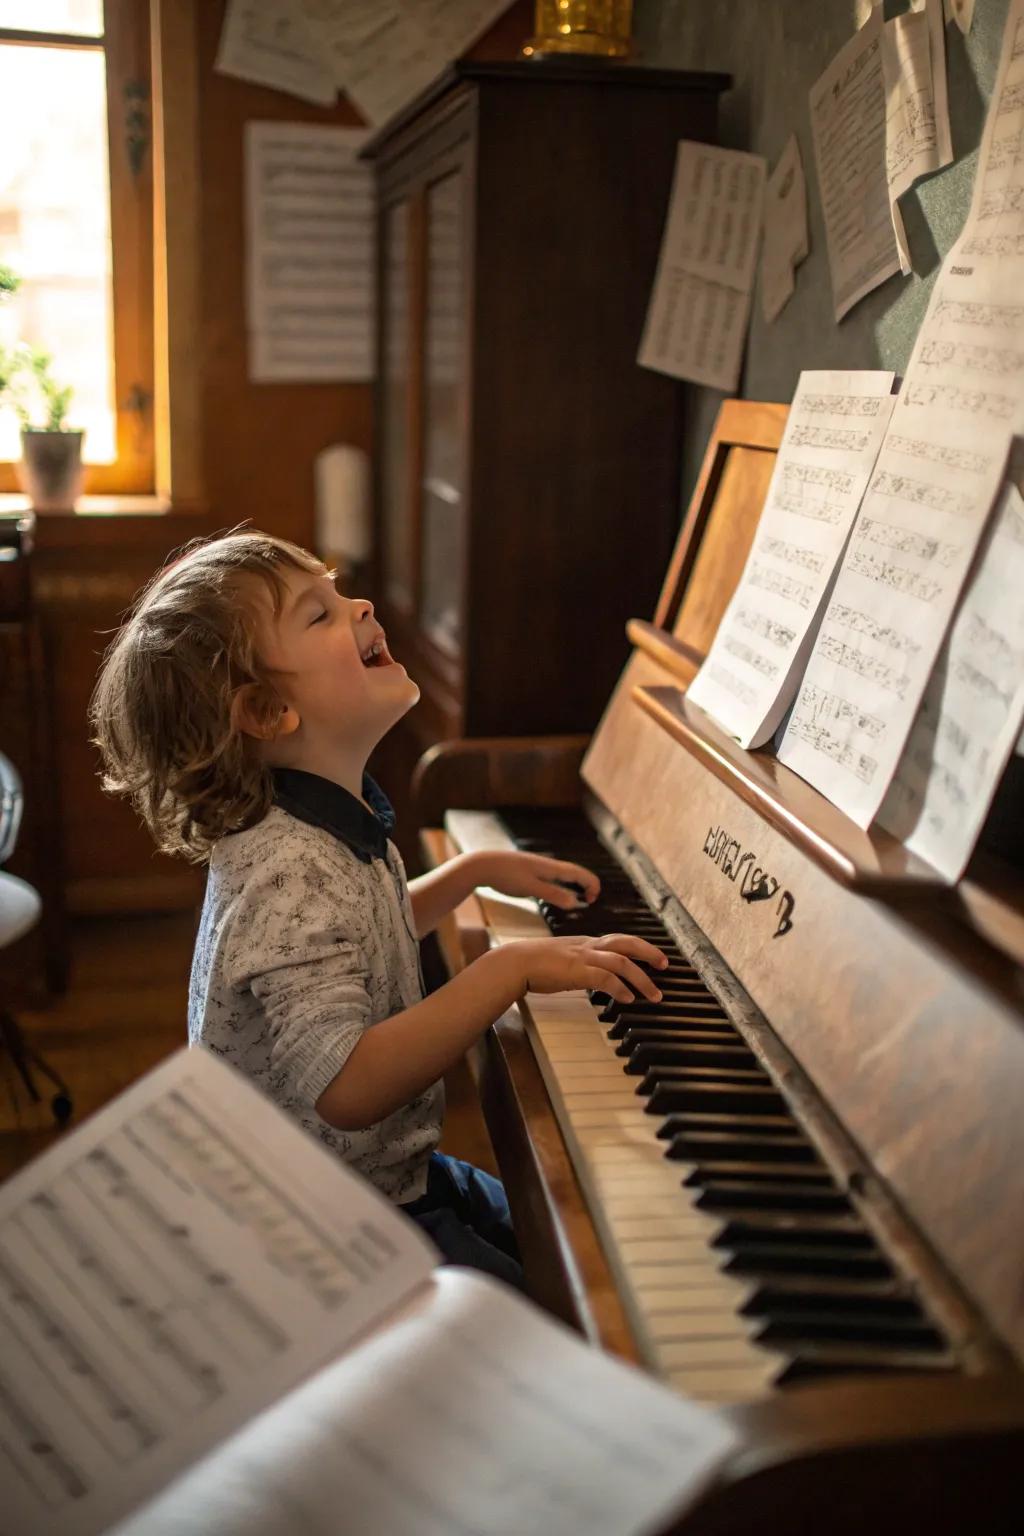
610	964
530	874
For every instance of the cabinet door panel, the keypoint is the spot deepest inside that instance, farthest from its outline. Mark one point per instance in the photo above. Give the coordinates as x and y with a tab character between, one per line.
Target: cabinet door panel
443	515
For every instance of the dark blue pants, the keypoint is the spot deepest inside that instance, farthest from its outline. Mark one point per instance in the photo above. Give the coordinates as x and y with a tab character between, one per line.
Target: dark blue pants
465	1213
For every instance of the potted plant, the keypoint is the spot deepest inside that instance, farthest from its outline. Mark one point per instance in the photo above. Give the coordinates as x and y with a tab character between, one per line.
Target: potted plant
50	470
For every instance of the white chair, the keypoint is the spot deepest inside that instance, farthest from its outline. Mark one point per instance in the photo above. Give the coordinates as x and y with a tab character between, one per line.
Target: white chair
20	908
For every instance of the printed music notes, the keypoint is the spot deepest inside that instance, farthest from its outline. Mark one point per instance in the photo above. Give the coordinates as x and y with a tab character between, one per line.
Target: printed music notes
128	1342
835	428
917	135
972	710
190	1281
879	120
270	43
933	488
472	1414
382	53
700	303
309	253
847	105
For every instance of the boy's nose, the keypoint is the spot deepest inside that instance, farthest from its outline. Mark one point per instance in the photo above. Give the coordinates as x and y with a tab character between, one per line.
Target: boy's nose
363	607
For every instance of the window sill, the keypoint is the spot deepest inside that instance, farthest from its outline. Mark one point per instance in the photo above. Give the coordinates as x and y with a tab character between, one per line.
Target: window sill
111	521
14	505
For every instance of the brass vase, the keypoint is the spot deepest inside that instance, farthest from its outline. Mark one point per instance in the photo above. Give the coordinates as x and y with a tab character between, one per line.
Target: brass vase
599	28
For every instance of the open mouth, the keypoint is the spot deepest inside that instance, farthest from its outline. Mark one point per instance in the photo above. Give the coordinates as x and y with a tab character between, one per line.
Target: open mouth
377	654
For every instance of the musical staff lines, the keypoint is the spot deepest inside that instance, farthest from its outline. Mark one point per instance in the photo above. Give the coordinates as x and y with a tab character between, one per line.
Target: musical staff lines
899	578
1000	362
864	665
781	585
860	764
754	658
863	623
829	437
869	407
964	402
928	452
905	541
768	628
792	554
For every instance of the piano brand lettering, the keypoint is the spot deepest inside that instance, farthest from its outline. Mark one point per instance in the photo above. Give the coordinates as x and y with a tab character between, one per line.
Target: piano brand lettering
755	883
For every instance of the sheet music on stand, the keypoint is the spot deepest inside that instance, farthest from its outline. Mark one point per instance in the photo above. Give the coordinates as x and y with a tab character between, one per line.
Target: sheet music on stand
833	434
932	493
973	709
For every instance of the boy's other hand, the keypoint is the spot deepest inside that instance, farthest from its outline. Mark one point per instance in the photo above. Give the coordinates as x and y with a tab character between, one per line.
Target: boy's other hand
529	874
608	964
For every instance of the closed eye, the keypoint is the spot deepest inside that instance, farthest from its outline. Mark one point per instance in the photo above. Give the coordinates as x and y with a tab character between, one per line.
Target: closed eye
319	618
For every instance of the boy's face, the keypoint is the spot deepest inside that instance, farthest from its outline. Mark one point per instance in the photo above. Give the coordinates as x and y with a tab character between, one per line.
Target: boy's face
333	670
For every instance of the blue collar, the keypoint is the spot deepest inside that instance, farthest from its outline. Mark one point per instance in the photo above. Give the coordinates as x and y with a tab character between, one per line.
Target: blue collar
322	803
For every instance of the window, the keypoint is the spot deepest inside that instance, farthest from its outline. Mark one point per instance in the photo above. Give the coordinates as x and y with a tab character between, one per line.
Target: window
76	221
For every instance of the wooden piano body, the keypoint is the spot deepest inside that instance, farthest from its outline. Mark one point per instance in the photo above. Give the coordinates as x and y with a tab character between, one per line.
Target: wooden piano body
884	1007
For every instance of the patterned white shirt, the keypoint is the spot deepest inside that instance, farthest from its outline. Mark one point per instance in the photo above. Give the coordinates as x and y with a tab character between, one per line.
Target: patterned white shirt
306	940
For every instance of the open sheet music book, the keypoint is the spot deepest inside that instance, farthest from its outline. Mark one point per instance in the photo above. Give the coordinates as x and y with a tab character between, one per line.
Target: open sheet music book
208	1324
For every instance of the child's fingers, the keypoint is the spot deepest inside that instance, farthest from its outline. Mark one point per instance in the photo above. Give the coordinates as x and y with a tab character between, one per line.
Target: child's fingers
638	949
572	874
627	972
597	980
557	895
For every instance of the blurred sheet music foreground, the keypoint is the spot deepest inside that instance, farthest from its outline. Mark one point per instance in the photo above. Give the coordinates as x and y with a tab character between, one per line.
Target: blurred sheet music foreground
190	1261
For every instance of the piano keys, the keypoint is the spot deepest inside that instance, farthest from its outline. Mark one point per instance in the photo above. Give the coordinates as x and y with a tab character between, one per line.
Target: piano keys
745	1261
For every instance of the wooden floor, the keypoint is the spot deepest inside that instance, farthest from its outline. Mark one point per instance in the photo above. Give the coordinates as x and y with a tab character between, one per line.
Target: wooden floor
123	1013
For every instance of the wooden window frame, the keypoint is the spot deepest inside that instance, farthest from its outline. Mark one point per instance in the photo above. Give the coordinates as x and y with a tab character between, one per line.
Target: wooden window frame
126	45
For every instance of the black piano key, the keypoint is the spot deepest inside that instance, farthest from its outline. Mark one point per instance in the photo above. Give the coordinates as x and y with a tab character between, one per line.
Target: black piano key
667	1010
660	1033
844	1329
680	1076
754	1172
809	1231
723	1196
621	1023
813	1298
726	1097
761	1259
696	1146
810	1364
681	1054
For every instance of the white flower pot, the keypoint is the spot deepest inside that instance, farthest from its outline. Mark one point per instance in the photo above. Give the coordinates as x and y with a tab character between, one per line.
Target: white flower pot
50	470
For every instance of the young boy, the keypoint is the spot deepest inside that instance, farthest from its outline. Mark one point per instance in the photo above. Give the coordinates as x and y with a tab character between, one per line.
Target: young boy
237	707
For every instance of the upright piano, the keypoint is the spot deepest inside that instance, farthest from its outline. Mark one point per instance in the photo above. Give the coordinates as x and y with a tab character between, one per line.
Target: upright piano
794	1189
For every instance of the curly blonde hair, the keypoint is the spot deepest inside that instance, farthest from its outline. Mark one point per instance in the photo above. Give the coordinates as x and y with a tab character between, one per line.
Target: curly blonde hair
163	711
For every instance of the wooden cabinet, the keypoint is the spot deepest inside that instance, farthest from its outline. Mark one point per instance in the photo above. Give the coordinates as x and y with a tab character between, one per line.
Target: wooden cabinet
527	470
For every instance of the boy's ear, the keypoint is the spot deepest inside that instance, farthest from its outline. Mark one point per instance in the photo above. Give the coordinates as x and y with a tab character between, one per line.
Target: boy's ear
257	712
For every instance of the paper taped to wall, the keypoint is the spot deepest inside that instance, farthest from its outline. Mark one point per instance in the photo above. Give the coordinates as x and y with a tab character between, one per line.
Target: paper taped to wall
700	303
